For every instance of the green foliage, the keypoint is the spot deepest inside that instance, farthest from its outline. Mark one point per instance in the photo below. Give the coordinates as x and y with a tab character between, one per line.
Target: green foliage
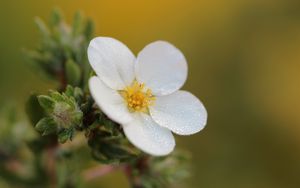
61	54
158	172
108	143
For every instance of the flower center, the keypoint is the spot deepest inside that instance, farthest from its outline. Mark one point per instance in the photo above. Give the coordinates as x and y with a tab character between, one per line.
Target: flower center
137	97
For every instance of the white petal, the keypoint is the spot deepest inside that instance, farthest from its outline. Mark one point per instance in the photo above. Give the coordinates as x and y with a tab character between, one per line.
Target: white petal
109	101
148	136
162	67
112	61
181	112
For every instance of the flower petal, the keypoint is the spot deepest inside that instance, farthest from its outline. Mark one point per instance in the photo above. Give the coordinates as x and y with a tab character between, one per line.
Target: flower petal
148	136
162	67
109	101
112	61
181	112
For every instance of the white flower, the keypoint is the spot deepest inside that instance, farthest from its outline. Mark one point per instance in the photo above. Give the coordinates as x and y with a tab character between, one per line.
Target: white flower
142	94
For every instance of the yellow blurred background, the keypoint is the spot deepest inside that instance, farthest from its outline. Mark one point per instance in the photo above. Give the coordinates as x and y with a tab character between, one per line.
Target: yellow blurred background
244	64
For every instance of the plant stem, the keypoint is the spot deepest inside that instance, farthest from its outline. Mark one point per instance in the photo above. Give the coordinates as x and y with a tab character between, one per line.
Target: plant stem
134	182
50	166
62	79
98	171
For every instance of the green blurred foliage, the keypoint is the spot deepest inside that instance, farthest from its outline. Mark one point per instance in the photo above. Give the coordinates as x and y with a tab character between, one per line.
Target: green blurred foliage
243	64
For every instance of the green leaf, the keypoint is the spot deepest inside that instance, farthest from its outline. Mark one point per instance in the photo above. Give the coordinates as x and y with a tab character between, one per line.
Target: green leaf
73	73
56	17
76	27
69	91
65	134
34	110
46	126
99	156
77	117
74	92
89	29
87	106
46	102
56	96
117	152
78	94
42	27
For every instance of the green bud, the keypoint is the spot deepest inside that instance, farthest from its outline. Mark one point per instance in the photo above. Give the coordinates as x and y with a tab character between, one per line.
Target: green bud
67	115
73	73
63	108
62	114
46	126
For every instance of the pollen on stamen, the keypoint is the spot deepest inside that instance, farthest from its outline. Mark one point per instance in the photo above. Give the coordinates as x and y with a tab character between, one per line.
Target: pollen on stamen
137	97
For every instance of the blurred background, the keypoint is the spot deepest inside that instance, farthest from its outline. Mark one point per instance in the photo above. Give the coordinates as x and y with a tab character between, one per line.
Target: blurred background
244	64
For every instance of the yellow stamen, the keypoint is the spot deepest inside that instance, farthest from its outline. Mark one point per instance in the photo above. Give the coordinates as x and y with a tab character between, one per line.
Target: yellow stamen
137	97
